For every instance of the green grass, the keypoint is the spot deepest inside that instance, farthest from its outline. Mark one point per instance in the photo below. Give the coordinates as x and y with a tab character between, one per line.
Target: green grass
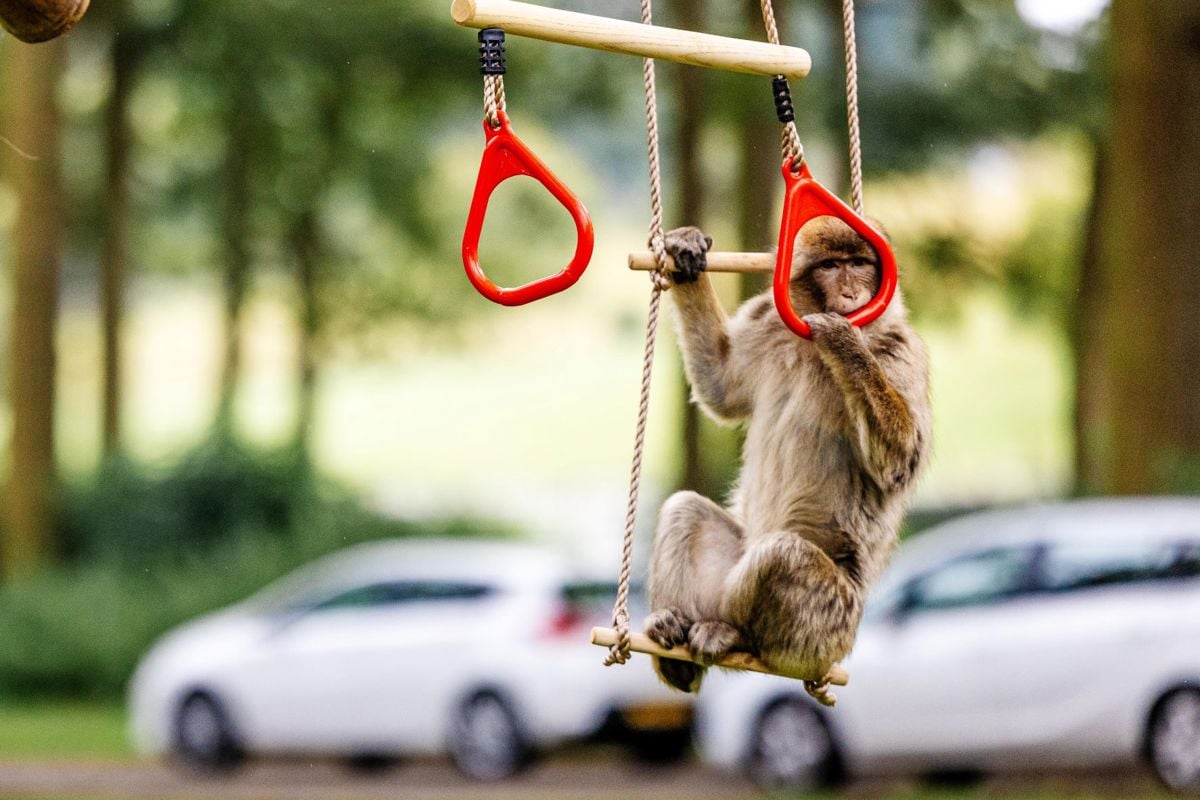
63	731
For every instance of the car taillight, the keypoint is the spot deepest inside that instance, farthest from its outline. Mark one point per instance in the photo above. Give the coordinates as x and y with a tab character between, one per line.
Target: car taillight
565	622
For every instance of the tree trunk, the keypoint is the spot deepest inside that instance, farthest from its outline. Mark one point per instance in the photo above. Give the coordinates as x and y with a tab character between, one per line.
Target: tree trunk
689	89
306	250
236	234
1092	391
32	161
1148	266
759	182
115	253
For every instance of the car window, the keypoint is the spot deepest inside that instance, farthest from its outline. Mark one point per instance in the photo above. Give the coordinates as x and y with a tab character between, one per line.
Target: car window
972	580
1188	563
1081	565
398	592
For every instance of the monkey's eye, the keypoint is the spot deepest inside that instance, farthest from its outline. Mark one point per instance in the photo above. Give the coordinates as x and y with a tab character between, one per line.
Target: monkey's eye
827	264
862	261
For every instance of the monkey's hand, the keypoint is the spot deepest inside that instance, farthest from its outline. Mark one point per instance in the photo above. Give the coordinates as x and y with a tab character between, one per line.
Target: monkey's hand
689	247
828	325
829	330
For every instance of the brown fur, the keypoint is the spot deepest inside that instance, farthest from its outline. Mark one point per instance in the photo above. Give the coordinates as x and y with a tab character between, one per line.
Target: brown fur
837	430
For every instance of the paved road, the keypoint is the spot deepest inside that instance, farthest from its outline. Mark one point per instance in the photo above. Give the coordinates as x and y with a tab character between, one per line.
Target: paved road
569	777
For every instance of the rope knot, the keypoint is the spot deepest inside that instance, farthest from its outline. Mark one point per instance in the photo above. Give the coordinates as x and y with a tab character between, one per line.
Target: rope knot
661	276
619	653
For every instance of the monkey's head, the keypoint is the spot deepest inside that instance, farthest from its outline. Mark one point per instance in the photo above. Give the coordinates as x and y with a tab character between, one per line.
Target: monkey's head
834	269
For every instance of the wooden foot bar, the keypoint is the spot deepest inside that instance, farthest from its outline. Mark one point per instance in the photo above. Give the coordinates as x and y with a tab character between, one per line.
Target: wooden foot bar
640	643
717	262
632	38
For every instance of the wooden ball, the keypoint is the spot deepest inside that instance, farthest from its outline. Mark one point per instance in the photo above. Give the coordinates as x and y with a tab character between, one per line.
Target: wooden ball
40	20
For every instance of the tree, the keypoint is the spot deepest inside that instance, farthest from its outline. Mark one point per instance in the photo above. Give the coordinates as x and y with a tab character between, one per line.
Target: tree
114	255
1142	332
31	76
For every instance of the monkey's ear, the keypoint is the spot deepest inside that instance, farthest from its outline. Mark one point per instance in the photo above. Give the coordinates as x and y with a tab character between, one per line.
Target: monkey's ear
708	243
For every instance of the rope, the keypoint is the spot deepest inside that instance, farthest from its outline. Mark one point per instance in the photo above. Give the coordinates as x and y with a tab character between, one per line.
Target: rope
793	151
790	145
856	169
493	98
619	652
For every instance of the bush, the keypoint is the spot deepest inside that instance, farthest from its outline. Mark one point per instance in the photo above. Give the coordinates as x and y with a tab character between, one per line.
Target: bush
134	515
146	552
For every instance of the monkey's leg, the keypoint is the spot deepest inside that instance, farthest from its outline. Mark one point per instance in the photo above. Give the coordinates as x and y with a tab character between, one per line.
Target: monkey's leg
798	608
696	545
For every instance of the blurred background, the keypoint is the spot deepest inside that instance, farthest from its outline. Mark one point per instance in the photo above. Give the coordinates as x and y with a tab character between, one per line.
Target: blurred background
238	337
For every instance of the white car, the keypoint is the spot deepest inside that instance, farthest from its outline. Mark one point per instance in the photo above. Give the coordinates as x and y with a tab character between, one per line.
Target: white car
1049	637
400	648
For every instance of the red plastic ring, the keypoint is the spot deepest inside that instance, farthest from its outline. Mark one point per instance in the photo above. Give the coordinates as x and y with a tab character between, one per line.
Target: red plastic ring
805	200
506	156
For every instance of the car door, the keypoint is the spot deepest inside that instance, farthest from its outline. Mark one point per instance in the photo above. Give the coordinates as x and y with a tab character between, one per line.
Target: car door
363	669
928	674
1102	616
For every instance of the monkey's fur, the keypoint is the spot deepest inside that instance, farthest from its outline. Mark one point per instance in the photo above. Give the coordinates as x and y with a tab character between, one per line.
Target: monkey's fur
837	429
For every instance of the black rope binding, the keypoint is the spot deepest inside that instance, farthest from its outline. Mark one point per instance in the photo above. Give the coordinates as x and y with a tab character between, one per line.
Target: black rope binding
783	100
491	52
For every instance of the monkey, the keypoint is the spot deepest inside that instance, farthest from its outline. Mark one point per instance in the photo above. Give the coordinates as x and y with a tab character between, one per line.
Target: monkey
837	430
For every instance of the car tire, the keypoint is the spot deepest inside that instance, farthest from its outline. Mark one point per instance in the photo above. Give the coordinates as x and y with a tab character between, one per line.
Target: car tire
792	748
203	735
487	741
1173	740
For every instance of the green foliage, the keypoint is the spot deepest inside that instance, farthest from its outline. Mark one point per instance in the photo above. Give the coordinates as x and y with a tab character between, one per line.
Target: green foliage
149	551
132	515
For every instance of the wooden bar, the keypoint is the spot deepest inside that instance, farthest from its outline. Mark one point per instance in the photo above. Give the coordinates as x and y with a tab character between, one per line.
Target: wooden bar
717	262
40	20
632	38
640	643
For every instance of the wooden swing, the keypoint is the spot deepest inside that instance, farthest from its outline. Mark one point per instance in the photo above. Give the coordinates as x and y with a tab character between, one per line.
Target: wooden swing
805	199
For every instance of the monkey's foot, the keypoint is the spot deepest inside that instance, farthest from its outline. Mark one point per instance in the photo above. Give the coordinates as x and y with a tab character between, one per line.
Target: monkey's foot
711	640
668	627
682	675
819	691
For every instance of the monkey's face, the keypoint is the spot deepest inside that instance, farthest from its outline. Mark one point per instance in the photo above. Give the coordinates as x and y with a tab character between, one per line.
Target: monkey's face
835	267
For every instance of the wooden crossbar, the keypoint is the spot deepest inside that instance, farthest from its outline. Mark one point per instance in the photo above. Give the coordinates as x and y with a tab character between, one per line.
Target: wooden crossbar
633	38
717	262
640	643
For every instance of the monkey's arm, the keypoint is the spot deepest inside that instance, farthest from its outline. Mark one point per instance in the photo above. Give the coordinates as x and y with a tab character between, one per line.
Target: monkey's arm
885	395
705	333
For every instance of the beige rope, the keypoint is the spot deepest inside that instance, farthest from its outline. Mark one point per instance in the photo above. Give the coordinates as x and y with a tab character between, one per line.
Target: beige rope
856	169
493	98
792	149
619	652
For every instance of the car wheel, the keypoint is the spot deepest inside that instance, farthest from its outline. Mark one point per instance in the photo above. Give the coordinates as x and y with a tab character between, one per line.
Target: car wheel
204	737
792	748
1173	740
487	742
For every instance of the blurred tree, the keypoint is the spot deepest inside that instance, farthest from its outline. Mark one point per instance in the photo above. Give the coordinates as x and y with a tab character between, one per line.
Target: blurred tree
1141	423
688	84
31	159
114	255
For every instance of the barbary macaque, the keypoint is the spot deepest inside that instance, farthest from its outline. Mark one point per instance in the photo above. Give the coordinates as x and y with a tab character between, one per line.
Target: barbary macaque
836	432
